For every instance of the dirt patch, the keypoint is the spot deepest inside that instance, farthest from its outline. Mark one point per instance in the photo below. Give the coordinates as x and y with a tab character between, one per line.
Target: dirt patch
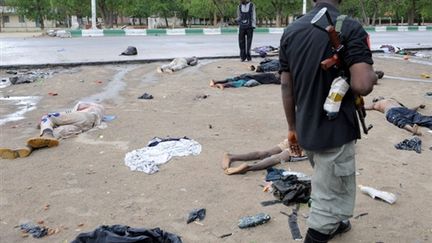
85	182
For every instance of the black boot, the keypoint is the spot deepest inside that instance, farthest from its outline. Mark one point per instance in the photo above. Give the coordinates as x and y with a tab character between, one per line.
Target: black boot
344	226
313	236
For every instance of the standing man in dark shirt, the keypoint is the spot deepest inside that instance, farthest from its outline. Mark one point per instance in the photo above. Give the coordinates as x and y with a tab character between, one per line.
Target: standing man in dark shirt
329	144
246	18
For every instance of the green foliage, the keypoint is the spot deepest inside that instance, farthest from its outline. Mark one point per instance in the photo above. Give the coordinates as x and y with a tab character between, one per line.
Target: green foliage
364	10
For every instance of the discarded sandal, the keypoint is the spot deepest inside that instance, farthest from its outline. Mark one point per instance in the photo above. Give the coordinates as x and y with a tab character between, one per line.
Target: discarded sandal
42	142
6	153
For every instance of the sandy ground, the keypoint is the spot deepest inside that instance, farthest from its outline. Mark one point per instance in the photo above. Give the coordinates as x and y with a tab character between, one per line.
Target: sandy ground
84	183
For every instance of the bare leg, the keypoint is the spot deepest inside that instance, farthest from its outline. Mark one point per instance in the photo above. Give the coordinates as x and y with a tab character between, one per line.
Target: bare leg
413	129
212	83
418	107
261	165
228	158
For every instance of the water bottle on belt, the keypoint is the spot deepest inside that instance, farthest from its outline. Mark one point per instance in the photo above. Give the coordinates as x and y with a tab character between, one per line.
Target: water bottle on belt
338	89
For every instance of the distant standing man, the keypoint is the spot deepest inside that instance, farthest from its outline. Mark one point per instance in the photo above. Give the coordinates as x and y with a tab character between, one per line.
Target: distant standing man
329	144
246	19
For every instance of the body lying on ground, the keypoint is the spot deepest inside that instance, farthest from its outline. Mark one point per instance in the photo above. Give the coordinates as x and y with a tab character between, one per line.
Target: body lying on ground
178	64
247	80
58	125
268	158
401	116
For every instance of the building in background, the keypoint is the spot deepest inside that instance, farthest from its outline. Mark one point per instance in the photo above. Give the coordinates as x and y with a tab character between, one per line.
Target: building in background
10	21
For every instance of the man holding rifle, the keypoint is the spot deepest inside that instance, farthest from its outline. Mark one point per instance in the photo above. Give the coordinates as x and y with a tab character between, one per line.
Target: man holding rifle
329	143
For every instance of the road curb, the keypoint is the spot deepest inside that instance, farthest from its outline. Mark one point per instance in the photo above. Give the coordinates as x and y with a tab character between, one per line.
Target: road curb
144	61
216	31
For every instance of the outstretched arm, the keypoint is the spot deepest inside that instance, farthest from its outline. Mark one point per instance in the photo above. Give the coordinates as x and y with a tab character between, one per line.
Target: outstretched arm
369	107
287	87
418	107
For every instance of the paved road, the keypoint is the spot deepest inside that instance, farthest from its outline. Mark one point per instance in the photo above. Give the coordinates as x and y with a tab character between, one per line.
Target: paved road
47	50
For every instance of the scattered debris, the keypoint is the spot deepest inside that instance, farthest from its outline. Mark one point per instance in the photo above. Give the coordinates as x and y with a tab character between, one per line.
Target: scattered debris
360	215
52	94
425	75
108	118
374	193
5	82
196	214
59	33
146	96
25	76
225	235
292	222
201	97
410	144
123	233
34	230
159	151
130	51
252	221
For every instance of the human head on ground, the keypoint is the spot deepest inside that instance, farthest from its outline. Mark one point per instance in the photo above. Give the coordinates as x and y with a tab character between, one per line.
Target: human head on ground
376	99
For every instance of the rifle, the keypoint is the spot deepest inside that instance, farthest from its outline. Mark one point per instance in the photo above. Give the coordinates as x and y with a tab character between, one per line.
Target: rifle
335	62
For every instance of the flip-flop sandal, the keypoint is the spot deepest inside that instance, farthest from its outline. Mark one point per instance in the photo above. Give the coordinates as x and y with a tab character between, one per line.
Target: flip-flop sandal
8	153
42	142
23	152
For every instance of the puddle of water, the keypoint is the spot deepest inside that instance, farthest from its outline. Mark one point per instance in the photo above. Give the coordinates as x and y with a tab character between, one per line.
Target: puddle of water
23	104
113	88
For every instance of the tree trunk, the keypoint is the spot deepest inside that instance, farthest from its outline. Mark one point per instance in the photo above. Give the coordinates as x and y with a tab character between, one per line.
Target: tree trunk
375	12
412	13
166	21
42	24
364	15
278	18
214	18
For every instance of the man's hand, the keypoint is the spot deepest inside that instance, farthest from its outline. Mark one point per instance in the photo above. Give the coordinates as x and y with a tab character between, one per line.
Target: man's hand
294	147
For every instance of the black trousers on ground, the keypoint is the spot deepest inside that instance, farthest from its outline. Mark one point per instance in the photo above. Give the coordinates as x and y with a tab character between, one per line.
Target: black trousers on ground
245	42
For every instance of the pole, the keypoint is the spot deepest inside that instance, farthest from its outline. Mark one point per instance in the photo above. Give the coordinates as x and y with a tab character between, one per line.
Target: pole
304	6
93	8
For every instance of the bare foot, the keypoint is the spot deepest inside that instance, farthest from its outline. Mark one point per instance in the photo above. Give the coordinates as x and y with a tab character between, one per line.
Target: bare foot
416	131
212	83
220	86
241	169
226	161
159	70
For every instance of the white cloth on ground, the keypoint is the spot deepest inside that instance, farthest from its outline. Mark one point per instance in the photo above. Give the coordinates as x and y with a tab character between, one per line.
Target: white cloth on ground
147	159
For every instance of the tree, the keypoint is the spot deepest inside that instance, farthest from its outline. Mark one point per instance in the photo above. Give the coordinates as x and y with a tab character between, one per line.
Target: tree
37	10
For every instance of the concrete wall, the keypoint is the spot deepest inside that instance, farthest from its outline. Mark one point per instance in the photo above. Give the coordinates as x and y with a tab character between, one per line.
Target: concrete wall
14	24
